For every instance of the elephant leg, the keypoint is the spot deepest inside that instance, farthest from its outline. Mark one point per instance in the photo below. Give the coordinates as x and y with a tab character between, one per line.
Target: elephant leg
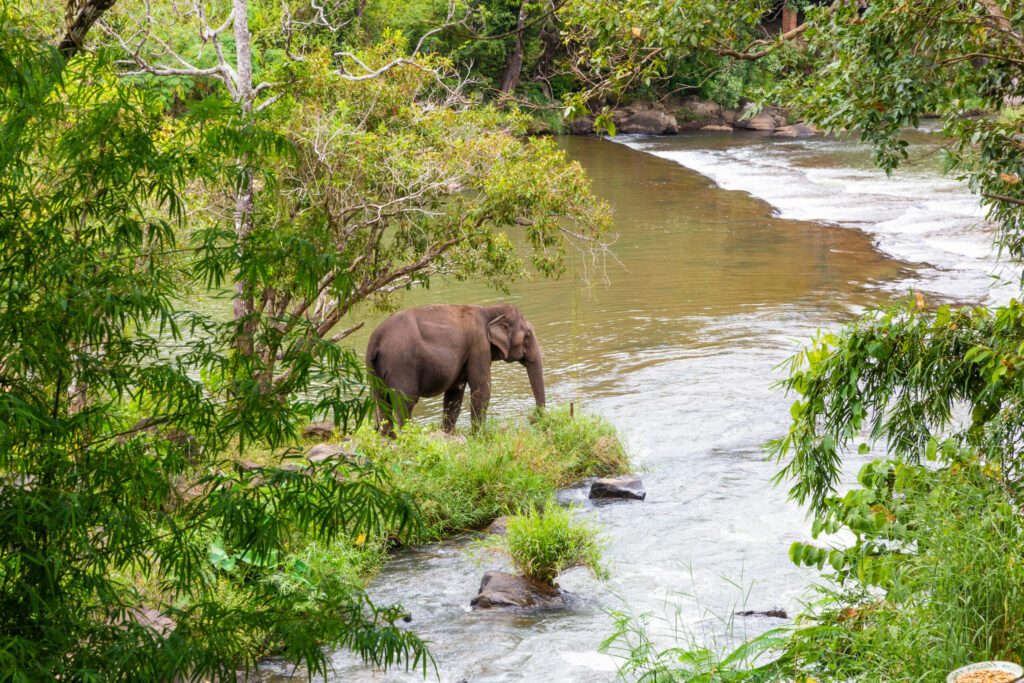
452	407
480	396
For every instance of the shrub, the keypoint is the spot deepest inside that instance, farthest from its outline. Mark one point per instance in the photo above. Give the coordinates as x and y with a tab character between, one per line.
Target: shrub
933	582
543	543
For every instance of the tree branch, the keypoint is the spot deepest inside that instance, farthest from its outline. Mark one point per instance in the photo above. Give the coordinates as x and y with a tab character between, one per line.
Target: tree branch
1003	198
79	17
773	45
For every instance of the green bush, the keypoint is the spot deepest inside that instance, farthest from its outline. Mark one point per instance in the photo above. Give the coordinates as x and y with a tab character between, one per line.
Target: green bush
935	579
543	543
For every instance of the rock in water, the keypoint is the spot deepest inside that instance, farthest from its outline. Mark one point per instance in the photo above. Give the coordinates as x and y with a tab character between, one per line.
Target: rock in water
319	430
797	130
767	119
628	489
501	590
774	613
583	125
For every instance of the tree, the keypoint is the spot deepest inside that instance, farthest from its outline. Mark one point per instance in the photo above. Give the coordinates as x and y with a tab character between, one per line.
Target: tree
150	548
104	552
389	177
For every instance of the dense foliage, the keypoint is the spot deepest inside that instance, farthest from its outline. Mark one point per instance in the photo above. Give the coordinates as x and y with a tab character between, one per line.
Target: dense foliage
932	581
138	540
309	162
107	521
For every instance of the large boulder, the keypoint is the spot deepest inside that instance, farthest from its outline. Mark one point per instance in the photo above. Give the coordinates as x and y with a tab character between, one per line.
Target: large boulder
767	119
701	109
628	488
649	122
582	125
501	590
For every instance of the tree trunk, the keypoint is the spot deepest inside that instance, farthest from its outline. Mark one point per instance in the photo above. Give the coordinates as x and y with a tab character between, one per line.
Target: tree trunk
243	304
790	18
514	66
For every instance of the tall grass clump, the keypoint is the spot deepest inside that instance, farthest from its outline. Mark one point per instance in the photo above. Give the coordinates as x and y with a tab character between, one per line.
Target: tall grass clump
693	658
586	445
544	542
711	648
464	482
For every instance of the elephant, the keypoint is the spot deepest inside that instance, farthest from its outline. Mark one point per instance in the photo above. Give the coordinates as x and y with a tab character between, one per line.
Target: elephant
439	349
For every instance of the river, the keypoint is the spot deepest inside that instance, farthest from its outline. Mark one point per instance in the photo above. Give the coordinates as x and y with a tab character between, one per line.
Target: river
732	250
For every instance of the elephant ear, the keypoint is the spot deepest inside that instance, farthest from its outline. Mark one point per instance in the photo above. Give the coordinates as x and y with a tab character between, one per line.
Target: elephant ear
498	334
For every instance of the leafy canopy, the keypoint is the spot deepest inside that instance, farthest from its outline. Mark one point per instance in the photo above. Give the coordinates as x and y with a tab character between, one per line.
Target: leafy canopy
106	522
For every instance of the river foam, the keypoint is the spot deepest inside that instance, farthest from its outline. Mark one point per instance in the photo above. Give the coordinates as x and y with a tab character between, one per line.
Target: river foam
916	215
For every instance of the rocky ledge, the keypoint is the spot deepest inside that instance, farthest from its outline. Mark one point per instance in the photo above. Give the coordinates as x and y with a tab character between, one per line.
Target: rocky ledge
695	113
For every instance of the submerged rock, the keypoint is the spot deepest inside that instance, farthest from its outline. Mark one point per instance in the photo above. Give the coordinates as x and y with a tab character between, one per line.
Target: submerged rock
627	489
774	613
319	430
715	128
501	590
797	130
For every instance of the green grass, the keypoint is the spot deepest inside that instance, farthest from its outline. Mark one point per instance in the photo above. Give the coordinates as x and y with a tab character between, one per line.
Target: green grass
544	542
458	483
508	467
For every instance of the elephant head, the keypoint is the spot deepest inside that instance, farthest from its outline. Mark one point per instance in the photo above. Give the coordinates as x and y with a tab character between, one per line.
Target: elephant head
513	340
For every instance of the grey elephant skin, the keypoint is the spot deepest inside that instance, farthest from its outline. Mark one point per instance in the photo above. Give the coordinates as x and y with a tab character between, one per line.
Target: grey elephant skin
442	349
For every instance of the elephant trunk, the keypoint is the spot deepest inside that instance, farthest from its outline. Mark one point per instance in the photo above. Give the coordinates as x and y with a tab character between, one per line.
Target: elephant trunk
535	371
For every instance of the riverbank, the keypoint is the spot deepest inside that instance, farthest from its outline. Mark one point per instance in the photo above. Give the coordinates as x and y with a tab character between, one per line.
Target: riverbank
673	116
457	483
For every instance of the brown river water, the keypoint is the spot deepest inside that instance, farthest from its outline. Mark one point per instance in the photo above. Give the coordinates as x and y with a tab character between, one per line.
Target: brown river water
732	250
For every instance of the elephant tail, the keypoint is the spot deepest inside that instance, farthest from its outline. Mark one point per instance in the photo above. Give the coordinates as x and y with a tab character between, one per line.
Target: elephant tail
378	381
